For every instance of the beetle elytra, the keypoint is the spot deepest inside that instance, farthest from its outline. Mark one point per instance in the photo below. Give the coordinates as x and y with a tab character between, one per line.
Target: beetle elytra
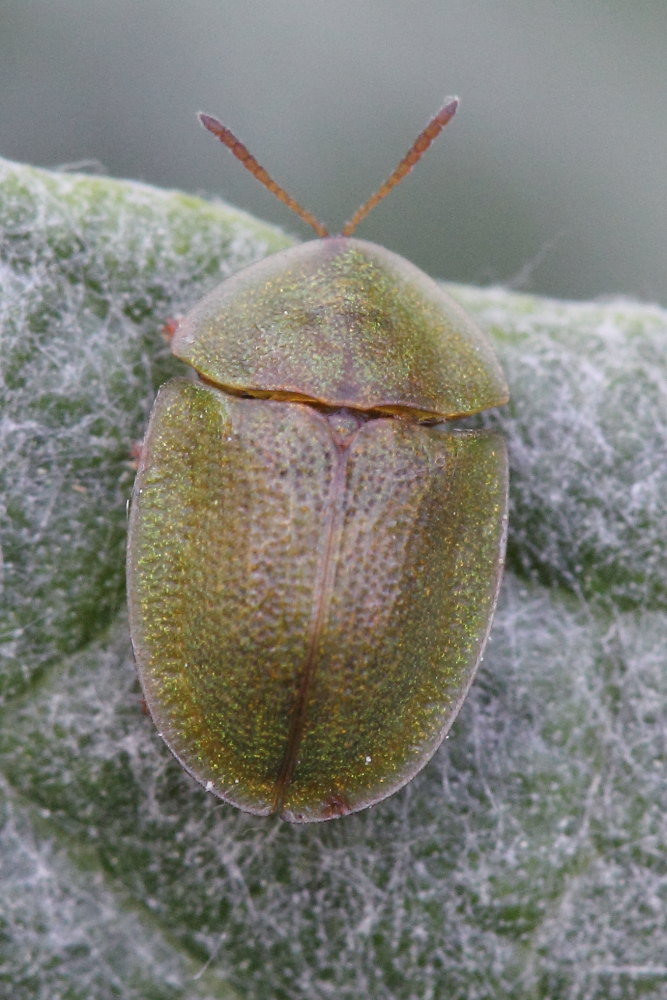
315	552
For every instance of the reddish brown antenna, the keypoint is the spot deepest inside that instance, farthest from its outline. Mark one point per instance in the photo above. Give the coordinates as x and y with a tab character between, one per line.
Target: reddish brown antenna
250	163
414	154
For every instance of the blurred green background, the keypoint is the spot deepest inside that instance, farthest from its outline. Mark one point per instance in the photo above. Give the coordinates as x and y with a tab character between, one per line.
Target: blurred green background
551	178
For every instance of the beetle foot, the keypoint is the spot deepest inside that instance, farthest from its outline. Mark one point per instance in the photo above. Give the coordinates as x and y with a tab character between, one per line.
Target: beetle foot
170	328
136	451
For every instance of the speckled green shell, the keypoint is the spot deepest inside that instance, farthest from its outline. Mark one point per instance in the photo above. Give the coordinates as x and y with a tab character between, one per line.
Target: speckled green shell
312	576
346	323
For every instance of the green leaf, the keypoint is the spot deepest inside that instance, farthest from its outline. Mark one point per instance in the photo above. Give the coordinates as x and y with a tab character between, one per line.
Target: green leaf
526	861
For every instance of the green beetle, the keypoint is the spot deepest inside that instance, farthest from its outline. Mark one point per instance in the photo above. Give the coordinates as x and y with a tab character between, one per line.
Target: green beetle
314	554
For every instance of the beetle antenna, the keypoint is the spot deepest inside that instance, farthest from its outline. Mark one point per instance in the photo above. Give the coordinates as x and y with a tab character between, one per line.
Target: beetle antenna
250	163
413	155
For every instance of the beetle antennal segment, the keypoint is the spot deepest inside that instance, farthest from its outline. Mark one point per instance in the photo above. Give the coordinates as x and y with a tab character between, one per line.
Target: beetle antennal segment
414	154
250	163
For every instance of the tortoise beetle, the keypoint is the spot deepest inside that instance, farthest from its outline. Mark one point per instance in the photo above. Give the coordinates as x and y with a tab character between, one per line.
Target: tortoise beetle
314	553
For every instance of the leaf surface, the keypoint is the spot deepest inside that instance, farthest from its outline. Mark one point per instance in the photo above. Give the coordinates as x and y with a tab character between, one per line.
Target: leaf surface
526	861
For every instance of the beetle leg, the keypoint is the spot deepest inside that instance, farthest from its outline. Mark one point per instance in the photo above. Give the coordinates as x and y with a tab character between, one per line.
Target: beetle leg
170	327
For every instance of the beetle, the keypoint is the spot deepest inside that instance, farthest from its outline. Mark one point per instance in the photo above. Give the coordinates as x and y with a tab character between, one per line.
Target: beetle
314	550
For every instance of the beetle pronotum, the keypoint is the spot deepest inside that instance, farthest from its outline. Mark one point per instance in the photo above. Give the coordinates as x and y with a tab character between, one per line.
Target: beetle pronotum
314	552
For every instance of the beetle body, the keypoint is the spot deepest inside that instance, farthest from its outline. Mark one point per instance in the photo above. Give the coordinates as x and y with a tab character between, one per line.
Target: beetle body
314	553
314	561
